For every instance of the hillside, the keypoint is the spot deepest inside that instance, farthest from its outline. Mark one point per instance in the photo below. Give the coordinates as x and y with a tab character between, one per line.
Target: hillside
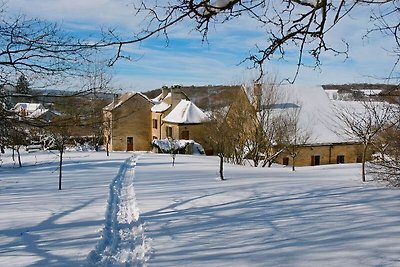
205	97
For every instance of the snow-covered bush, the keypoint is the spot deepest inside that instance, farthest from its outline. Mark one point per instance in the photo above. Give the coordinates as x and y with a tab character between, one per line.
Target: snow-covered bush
177	146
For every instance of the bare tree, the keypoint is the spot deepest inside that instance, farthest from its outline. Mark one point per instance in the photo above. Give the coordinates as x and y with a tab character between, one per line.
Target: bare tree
386	165
218	133
364	121
264	122
238	120
19	136
60	130
303	24
291	133
38	51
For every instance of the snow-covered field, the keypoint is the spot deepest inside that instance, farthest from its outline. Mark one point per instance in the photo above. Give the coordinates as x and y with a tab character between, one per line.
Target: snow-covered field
135	210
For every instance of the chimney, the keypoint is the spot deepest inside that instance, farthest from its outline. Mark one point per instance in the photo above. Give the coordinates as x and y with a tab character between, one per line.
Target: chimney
257	87
164	91
115	99
176	95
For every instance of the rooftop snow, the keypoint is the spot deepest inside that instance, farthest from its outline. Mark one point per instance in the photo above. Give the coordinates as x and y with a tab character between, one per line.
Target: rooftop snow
32	110
185	112
161	107
317	116
29	107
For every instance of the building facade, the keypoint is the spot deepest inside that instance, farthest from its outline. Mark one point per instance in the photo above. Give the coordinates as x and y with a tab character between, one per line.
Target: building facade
128	123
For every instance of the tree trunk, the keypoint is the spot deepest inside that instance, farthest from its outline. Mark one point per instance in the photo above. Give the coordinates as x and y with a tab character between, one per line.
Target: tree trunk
19	157
293	164
61	161
364	154
107	148
221	167
173	159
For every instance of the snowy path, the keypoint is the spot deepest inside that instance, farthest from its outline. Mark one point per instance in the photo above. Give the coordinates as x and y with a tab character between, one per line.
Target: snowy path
123	242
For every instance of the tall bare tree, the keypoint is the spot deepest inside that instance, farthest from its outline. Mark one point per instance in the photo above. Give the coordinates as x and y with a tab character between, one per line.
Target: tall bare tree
218	137
40	52
292	134
264	122
364	121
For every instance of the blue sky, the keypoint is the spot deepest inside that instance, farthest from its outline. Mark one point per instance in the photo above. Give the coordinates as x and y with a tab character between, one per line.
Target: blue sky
188	61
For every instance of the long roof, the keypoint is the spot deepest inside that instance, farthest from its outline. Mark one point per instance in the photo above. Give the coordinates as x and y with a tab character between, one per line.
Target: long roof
317	117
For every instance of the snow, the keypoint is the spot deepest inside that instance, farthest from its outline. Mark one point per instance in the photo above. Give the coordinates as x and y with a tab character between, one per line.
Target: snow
32	110
161	107
138	210
169	146
185	112
123	240
42	226
317	115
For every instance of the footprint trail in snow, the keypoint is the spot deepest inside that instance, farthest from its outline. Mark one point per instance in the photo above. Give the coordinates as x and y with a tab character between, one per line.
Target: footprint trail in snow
123	242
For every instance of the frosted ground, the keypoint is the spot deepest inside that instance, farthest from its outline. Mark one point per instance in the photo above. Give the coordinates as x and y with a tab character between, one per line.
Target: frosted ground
138	210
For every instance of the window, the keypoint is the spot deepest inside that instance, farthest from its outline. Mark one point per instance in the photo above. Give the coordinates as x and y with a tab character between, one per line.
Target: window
185	135
285	161
155	123
315	160
359	159
169	131
340	159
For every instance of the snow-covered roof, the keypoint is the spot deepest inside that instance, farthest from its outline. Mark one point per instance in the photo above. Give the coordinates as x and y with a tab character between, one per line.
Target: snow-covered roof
33	110
160	107
316	112
29	107
37	113
186	112
160	97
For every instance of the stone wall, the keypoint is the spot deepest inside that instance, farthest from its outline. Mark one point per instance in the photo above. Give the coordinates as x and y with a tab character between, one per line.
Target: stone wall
132	119
324	154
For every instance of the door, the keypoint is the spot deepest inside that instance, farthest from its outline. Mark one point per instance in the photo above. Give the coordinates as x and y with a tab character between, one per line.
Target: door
285	161
340	159
129	143
315	160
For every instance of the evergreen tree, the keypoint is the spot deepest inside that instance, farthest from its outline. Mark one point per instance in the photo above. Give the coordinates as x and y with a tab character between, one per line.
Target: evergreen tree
22	86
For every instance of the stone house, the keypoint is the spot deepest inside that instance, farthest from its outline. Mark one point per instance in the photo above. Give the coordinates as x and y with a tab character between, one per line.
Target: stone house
35	111
163	105
127	122
133	120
